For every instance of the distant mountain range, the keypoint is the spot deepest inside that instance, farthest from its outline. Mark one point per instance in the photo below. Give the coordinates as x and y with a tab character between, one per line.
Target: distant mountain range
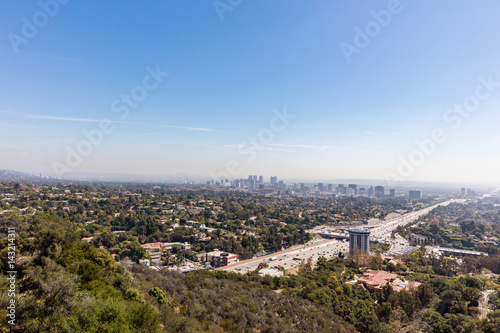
11	175
15	176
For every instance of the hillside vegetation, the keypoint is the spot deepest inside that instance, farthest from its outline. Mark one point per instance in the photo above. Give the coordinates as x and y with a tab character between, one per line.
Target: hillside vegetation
66	285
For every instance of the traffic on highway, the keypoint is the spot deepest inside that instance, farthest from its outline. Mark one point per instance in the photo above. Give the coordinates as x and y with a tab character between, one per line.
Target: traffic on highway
329	248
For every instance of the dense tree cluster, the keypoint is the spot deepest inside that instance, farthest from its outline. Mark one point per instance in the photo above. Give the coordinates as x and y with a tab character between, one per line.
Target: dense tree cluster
439	304
66	285
121	217
469	225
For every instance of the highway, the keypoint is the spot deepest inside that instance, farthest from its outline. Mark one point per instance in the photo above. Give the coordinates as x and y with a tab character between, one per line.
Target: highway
290	258
330	248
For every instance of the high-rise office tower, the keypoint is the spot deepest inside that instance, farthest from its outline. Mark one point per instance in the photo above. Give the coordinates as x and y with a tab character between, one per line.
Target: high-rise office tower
371	191
415	194
341	189
379	191
359	238
354	187
392	193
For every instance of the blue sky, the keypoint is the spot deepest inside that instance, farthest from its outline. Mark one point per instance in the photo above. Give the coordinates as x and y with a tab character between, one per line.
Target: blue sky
227	78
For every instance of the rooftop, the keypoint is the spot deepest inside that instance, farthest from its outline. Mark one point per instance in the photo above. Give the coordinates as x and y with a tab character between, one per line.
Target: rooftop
359	230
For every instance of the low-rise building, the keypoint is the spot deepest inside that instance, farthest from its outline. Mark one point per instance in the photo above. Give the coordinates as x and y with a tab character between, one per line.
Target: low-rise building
153	246
146	262
154	256
417	238
185	245
221	258
375	280
457	252
271	272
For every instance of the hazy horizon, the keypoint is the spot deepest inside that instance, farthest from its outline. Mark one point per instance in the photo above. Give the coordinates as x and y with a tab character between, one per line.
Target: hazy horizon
201	180
401	91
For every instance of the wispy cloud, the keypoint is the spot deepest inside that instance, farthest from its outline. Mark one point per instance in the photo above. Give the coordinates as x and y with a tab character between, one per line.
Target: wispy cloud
370	145
187	128
380	133
231	147
57	118
196	144
299	146
280	149
28	144
146	134
21	126
47	117
212	146
50	56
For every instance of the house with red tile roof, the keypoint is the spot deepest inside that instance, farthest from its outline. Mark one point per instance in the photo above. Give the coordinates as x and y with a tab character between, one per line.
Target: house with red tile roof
153	246
375	280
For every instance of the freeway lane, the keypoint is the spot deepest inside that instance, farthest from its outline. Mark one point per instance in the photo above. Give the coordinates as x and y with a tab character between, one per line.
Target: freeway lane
328	248
285	258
